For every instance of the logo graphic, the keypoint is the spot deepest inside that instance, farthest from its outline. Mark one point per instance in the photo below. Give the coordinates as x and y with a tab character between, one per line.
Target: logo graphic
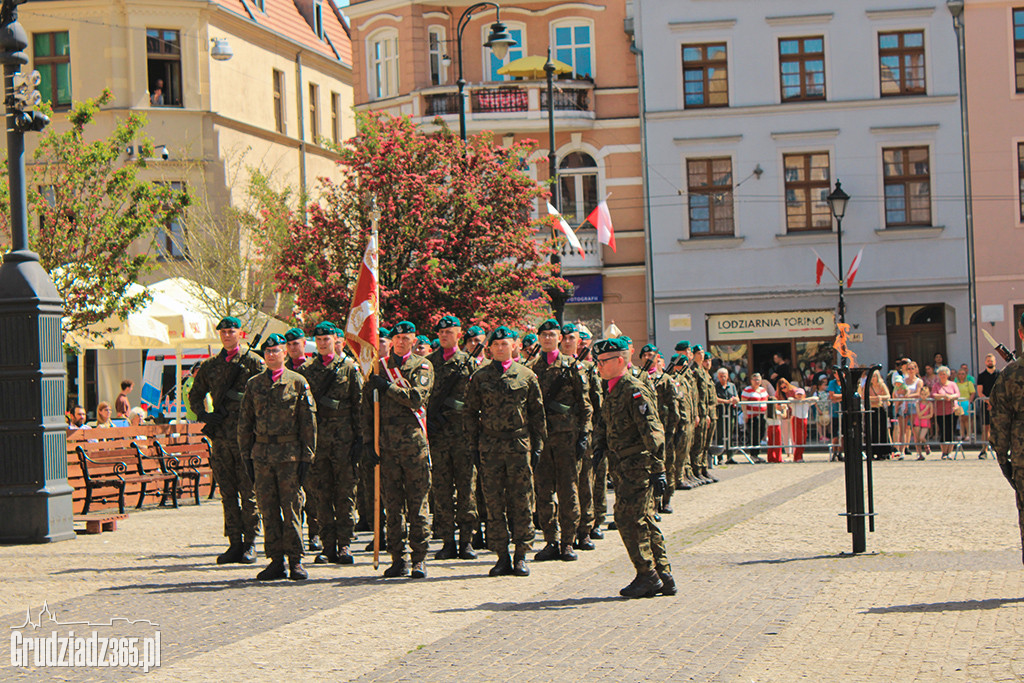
135	644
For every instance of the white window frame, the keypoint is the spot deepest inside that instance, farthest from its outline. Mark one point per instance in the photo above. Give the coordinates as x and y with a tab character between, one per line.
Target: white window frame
573	22
437	53
513	52
387	64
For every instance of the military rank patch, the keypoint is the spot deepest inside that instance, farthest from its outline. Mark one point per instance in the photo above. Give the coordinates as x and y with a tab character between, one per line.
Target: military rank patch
424	380
643	408
637	394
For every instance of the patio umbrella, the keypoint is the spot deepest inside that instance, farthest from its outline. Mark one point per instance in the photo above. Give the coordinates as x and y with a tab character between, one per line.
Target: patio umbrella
532	67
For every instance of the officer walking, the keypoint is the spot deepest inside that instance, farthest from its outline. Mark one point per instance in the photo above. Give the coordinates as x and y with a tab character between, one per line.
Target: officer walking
632	438
452	477
224	377
1006	404
505	430
277	434
337	387
403	386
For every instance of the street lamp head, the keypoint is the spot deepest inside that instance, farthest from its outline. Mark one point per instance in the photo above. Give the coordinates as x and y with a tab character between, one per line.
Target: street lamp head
837	201
955	7
500	40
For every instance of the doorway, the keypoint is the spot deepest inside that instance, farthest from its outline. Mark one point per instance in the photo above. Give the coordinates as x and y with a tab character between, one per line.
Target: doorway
915	332
762	353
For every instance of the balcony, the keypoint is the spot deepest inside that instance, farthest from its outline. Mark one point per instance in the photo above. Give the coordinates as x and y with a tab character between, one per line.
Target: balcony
518	100
571	259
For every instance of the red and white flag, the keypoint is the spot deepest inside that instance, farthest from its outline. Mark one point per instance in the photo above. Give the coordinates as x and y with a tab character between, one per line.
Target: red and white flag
852	273
820	268
362	331
570	235
601	219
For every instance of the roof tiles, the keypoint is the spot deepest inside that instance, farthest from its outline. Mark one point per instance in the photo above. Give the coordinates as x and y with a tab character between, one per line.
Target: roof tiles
283	17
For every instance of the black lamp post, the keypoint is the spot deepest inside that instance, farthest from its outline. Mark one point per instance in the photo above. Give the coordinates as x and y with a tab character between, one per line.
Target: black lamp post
837	201
499	41
549	72
35	499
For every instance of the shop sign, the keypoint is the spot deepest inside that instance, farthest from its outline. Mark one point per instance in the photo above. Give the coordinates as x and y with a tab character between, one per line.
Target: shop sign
778	325
588	289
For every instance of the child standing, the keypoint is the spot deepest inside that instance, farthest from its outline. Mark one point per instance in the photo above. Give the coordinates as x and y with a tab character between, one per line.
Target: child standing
923	422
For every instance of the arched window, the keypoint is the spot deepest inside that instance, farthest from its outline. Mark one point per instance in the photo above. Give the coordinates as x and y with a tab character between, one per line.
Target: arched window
518	33
382	62
577	177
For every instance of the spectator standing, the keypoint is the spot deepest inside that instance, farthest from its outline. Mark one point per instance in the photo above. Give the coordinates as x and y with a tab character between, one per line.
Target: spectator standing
823	410
878	399
965	383
986	380
946	394
930	379
912	395
755	406
923	421
728	397
800	408
121	404
781	369
835	395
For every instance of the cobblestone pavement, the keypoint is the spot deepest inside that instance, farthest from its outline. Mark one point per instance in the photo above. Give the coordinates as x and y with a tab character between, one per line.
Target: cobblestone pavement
766	594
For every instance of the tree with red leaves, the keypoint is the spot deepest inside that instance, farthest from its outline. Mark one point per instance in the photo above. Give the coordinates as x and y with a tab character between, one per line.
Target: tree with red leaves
455	230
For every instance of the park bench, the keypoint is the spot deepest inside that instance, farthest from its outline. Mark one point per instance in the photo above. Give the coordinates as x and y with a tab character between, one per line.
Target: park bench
118	458
188	454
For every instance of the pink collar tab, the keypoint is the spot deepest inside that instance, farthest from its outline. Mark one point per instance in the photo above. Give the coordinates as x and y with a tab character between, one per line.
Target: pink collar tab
552	356
276	374
229	355
613	381
448	353
327	360
506	364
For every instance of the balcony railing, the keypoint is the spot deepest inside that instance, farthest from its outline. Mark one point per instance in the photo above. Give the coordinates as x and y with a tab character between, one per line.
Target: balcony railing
591	252
529	97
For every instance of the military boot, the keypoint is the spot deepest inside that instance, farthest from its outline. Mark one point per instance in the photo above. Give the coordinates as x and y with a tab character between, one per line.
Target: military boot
712	479
519	567
274	570
684	485
345	555
612	526
466	549
549	552
479	542
248	555
448	551
596	533
328	556
668	584
583	541
666	508
566	553
503	567
419	570
234	552
643	586
398	568
296	572
315	545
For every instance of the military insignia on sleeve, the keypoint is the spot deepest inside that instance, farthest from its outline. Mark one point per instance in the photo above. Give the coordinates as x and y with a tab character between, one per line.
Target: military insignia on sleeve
643	408
637	394
424	380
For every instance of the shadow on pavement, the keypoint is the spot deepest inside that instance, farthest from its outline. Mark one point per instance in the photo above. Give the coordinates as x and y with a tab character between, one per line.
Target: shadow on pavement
784	560
956	606
566	603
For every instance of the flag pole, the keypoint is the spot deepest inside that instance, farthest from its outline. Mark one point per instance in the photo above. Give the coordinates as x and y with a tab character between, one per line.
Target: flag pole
375	218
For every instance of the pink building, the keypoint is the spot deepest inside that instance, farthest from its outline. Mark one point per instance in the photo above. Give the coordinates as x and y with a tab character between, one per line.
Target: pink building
995	87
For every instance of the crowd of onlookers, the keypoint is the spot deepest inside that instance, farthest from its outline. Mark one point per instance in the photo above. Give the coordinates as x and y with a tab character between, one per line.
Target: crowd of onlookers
905	411
121	414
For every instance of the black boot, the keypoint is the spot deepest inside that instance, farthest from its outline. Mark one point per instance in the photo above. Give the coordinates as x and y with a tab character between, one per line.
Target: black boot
503	566
479	542
707	475
466	550
248	555
566	553
596	533
548	552
296	572
345	555
274	570
398	568
448	551
612	526
583	541
519	567
668	584
419	570
315	544
643	586
233	553
328	556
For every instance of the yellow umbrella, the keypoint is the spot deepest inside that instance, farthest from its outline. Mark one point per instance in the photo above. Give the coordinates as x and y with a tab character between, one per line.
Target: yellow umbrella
532	67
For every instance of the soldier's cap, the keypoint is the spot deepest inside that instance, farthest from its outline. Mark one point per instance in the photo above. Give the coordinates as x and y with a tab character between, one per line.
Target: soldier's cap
447	321
549	324
673	360
325	328
422	339
293	334
610	345
569	328
273	340
530	339
500	332
404	327
648	347
435	343
584	332
228	322
474	331
697	348
628	340
384	333
682	345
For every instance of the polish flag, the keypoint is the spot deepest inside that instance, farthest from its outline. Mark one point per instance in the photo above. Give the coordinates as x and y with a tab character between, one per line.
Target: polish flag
601	219
819	270
852	273
567	230
362	331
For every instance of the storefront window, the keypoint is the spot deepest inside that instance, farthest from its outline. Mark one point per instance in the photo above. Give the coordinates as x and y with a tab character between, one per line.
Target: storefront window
811	358
734	359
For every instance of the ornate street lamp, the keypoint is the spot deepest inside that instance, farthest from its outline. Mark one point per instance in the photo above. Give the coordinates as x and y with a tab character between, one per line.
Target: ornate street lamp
499	40
837	201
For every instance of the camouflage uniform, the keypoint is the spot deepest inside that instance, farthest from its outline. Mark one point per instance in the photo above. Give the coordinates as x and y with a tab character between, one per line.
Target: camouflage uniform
504	421
277	431
309	492
710	397
1006	404
685	427
337	389
568	416
633	438
667	392
404	455
236	490
588	483
707	399
453	476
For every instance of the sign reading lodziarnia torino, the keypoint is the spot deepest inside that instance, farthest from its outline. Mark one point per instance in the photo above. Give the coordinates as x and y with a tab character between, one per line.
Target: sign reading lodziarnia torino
771	325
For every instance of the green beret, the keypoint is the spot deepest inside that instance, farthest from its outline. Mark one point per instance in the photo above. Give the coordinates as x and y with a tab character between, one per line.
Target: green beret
293	334
530	339
422	339
648	347
569	328
446	322
628	340
228	322
474	331
273	340
682	345
435	344
501	332
404	327
610	345
584	334
325	328
384	333
549	324
697	348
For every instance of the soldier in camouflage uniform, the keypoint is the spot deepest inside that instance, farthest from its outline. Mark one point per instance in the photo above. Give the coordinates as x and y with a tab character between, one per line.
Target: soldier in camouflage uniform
567	407
337	389
277	434
571	346
708	405
598	467
1006	404
364	486
295	346
505	429
690	405
403	387
632	438
453	476
667	393
238	499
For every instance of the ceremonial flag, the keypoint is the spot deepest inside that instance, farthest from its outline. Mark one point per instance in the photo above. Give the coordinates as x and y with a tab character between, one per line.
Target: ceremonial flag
362	331
601	219
852	273
568	231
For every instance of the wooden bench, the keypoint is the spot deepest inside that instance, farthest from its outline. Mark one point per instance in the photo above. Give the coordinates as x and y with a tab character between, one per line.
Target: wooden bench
188	454
119	458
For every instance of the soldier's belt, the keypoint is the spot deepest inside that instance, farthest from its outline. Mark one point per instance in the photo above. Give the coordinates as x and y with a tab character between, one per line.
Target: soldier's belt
328	403
235	396
277	438
512	434
555	407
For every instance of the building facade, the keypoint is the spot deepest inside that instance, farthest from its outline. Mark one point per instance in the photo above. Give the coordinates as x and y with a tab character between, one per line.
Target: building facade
407	54
753	112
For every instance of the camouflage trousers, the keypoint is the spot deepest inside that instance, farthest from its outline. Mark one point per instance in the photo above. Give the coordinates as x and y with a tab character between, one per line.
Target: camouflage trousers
237	496
709	440
1018	479
404	488
670	465
309	509
634	515
586	492
698	453
684	441
508	492
453	483
558	473
334	487
277	491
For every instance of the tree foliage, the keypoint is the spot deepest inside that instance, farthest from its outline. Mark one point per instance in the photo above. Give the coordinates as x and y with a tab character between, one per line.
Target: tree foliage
455	230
